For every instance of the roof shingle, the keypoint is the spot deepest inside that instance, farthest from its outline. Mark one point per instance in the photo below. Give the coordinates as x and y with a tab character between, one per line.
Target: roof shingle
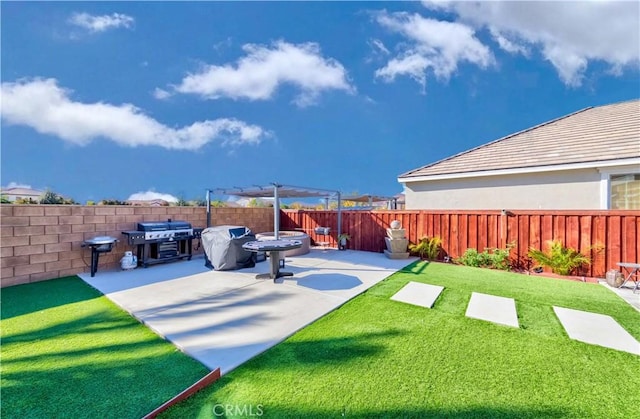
595	134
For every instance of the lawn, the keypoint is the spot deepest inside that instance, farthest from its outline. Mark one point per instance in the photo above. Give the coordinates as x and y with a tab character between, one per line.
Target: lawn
375	357
68	352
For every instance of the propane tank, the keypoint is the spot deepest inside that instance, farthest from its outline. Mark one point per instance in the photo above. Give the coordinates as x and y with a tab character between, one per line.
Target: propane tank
128	261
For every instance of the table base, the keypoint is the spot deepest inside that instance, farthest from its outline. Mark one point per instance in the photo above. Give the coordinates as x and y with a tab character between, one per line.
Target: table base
274	247
279	274
274	272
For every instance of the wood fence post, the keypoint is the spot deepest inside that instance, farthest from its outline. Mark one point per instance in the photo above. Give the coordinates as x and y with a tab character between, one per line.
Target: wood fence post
504	220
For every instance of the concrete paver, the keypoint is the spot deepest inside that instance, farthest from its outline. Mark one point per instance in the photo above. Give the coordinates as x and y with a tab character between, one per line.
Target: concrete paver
418	294
596	329
500	310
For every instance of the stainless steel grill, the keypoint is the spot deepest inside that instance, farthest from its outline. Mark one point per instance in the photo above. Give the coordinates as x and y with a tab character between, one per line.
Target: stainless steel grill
163	241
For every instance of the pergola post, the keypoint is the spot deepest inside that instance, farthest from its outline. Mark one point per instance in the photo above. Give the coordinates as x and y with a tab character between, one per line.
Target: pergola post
208	200
276	212
339	215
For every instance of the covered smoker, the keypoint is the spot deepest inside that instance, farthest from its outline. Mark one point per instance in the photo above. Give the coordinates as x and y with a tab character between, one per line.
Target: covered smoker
223	247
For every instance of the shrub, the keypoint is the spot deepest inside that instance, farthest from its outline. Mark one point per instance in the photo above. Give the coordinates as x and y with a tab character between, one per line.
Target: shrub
26	201
181	202
562	260
52	198
112	202
216	204
471	257
427	248
495	259
500	259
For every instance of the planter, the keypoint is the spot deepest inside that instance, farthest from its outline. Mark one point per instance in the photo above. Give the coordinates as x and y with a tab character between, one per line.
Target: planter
342	241
614	278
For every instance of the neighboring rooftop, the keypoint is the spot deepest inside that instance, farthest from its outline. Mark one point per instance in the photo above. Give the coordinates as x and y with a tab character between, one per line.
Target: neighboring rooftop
148	202
13	194
595	134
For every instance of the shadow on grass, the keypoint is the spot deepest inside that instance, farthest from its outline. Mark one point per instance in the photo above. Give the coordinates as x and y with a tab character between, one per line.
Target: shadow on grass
418	413
322	351
94	323
29	298
337	350
416	268
122	388
86	359
235	410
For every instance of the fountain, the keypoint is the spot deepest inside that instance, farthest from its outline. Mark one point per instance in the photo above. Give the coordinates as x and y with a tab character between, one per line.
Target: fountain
396	242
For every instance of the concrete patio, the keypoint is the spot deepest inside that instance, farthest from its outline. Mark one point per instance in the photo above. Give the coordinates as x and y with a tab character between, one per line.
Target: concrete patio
225	318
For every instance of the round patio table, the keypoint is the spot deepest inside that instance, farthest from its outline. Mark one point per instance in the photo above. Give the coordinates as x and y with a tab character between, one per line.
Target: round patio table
274	247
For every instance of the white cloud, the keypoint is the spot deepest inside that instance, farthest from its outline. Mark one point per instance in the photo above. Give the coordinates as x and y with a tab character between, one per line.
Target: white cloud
378	46
510	45
161	94
570	35
258	74
44	106
151	195
433	45
101	23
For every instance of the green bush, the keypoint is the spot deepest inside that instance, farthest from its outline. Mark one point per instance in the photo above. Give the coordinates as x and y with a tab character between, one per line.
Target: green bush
471	257
494	259
500	259
562	260
427	248
52	198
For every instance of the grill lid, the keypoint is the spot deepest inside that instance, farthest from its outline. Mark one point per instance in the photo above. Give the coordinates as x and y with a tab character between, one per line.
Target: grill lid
179	225
100	240
153	226
163	225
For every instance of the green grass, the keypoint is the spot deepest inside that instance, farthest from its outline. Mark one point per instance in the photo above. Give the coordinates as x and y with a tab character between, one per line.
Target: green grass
375	357
68	352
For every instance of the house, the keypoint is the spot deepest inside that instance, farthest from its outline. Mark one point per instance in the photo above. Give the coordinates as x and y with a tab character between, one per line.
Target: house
17	193
148	202
589	159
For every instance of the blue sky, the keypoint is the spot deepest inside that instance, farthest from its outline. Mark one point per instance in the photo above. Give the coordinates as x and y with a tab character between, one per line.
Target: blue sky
114	99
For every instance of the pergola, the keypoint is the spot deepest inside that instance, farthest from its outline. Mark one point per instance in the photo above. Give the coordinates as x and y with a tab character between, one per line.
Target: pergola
276	191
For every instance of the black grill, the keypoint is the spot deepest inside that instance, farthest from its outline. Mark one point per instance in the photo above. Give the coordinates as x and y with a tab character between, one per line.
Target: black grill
162	241
163	250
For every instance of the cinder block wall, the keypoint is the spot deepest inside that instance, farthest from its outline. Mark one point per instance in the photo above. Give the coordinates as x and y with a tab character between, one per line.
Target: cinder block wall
41	242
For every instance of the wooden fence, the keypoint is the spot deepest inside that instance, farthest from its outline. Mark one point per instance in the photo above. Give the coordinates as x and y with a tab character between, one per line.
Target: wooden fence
607	237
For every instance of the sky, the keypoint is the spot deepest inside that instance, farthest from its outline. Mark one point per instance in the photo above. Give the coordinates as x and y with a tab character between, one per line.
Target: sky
127	100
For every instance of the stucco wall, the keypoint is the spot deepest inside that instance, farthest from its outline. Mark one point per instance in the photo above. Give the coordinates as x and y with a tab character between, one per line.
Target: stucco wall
577	189
41	242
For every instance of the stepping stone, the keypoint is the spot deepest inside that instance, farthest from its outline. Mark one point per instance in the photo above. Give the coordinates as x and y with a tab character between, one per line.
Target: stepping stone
500	310
418	294
596	329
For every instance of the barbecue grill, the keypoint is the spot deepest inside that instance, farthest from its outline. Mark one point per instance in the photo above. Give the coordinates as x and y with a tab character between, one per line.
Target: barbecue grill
162	241
101	244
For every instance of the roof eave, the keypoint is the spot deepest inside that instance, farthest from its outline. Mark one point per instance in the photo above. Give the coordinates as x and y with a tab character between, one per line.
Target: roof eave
523	170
